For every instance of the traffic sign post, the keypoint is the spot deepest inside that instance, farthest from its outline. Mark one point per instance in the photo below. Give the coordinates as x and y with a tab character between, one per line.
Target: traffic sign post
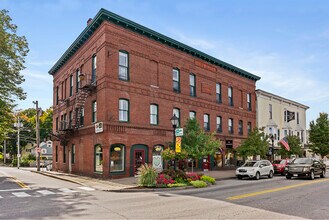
179	132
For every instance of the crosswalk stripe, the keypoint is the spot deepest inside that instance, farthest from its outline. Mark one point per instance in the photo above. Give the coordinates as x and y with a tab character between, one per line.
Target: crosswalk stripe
21	194
66	190
1	197
86	188
46	192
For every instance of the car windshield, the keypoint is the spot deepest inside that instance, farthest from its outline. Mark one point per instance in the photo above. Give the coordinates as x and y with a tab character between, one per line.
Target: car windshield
283	162
302	161
250	164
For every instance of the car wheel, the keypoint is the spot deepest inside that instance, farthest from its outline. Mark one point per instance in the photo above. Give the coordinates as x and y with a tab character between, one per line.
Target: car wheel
312	175
323	174
288	176
257	176
271	174
240	177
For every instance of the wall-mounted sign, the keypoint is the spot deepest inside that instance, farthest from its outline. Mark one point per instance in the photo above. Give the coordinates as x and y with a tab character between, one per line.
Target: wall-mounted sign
99	127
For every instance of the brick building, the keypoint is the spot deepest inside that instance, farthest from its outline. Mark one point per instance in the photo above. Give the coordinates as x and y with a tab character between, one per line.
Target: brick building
119	83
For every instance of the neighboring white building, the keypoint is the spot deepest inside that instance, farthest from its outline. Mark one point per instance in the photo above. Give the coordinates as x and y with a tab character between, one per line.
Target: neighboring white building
280	116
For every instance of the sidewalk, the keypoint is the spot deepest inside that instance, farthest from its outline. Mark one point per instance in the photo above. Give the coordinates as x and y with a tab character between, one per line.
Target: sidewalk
119	185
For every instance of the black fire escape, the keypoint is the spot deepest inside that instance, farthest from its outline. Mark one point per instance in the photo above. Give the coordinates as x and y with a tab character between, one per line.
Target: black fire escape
69	124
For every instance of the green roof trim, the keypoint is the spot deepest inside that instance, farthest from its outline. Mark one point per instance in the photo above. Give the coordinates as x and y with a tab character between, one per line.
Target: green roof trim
104	15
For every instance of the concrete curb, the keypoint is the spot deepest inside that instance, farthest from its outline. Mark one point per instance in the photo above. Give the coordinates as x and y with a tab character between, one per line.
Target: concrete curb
57	177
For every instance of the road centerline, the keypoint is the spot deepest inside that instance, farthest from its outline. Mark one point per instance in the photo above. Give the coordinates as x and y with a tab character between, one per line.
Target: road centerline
246	195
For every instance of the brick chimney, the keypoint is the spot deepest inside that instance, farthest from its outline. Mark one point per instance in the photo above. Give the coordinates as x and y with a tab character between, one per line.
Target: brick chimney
89	20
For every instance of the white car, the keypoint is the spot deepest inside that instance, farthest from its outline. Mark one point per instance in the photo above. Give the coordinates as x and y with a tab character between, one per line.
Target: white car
255	169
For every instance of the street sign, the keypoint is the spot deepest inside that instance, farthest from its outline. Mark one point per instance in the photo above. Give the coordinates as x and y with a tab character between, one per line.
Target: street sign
178	144
38	149
99	127
18	155
179	132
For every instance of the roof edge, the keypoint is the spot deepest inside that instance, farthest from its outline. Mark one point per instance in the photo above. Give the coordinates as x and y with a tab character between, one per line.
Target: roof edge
104	14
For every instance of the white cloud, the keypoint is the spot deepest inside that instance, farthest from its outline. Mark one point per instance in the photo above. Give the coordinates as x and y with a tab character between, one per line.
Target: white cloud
37	76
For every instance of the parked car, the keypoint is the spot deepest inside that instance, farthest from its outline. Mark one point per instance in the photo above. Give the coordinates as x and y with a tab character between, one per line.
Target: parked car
279	165
255	169
305	167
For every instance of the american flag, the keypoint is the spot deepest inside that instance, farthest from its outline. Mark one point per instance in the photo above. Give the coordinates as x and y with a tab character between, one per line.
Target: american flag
284	142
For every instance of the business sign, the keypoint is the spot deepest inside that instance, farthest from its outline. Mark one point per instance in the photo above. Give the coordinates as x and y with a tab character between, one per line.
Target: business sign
178	144
99	127
179	132
157	163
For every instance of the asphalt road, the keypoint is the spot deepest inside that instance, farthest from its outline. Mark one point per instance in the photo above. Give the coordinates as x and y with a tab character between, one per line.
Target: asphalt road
297	197
42	197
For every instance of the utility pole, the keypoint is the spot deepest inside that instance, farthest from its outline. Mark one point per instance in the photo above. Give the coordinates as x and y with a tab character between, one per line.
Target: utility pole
4	150
18	150
37	136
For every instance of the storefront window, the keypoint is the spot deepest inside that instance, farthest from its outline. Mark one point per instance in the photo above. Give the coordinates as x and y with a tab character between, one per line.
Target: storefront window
98	158
117	158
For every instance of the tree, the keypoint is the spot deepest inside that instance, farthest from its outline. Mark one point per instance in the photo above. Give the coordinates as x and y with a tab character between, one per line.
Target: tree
319	135
13	50
295	147
255	144
197	143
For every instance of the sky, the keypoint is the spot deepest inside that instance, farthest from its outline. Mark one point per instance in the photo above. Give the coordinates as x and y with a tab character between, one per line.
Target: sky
285	42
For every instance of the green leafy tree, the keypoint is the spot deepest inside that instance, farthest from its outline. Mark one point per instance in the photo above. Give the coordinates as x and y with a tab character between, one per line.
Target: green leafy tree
197	143
294	145
255	144
13	50
319	135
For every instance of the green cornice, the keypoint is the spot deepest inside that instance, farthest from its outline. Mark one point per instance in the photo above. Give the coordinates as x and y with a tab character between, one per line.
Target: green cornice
132	26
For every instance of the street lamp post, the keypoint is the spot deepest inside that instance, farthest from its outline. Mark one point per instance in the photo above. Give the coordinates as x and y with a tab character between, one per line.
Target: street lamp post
272	155
174	122
37	132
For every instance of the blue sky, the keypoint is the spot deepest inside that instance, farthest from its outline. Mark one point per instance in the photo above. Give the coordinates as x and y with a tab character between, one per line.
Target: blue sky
284	42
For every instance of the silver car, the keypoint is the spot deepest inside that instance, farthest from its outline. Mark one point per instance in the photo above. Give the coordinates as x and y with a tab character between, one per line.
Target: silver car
255	169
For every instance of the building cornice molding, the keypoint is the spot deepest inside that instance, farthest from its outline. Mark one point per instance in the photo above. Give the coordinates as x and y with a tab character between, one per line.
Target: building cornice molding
104	15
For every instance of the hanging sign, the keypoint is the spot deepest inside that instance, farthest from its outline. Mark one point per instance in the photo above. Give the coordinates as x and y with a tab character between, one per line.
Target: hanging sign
99	127
178	144
179	132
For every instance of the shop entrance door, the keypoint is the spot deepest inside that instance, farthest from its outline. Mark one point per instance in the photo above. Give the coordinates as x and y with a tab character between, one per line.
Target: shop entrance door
139	159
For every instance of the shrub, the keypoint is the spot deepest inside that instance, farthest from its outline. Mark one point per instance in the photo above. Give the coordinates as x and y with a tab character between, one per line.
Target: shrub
31	157
14	162
147	176
164	179
199	183
192	176
208	179
181	180
176	184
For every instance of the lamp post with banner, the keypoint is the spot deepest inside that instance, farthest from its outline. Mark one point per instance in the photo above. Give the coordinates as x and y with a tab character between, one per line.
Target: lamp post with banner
174	122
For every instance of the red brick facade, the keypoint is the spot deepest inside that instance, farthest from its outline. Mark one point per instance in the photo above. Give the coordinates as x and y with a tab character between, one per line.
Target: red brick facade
150	82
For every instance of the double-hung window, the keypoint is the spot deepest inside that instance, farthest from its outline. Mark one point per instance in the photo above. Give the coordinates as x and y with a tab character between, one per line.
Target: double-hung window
206	124
153	114
175	78
240	127
82	116
270	110
123	110
123	66
93	68
218	93
71	85
57	95
230	126
73	154
192	114
192	85
249	101
230	96
249	128
219	127
77	74
94	112
176	111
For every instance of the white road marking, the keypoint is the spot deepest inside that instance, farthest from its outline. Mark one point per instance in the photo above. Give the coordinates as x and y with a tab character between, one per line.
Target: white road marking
46	192
66	190
86	188
21	194
1	197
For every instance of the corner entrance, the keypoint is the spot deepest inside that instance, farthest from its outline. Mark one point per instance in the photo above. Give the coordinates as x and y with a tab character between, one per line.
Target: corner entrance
138	157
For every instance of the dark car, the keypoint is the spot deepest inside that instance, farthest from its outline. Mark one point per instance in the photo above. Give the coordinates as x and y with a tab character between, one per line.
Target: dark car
305	167
279	166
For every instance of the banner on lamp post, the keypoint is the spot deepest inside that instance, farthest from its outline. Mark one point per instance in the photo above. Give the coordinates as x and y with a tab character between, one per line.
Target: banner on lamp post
178	144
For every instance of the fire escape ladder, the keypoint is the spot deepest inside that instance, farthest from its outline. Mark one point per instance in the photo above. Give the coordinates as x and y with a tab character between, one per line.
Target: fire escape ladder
80	100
